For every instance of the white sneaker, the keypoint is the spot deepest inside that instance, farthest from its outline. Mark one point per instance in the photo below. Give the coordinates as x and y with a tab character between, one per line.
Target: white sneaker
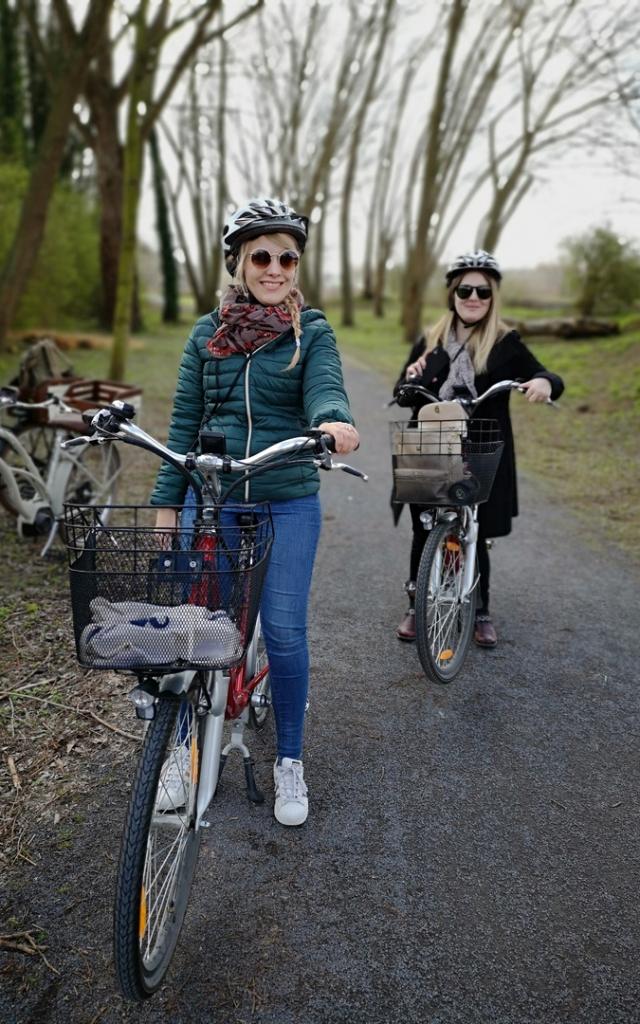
291	806
172	787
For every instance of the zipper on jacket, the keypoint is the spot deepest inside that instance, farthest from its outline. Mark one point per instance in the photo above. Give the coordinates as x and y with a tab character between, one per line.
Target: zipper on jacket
247	403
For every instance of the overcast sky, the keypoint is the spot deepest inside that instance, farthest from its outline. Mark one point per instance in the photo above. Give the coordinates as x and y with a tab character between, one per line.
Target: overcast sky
572	195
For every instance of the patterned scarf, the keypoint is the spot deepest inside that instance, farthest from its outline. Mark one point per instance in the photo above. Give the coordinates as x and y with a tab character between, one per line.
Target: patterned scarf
246	325
461	371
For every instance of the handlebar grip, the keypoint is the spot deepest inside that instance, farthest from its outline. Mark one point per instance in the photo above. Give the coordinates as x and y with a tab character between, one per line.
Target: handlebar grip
75	442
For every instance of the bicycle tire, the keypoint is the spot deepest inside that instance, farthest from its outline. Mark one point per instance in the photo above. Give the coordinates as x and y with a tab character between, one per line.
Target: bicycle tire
155	873
93	478
444	622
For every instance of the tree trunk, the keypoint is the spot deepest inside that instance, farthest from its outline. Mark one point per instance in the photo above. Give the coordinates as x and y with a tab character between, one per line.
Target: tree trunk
385	243
133	158
170	306
420	263
346	283
28	238
108	152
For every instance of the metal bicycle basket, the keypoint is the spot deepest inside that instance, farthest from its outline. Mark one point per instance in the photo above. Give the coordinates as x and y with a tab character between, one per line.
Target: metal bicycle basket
449	463
147	599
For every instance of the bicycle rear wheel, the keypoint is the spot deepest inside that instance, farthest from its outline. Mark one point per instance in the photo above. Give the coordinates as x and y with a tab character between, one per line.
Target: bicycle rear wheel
159	849
444	618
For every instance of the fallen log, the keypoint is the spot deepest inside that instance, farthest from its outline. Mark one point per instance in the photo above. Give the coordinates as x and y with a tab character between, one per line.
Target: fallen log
565	327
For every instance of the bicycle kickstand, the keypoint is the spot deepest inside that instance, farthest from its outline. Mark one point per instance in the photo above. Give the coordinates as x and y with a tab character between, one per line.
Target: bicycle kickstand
237	743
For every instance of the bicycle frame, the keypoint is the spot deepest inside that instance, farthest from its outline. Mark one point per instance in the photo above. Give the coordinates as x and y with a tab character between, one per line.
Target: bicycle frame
44	510
49	492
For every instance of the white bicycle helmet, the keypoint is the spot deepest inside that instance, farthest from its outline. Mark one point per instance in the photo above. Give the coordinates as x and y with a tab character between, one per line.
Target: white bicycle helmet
478	260
262	216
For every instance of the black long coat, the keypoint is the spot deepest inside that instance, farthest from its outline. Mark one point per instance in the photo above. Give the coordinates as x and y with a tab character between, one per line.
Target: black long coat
509	359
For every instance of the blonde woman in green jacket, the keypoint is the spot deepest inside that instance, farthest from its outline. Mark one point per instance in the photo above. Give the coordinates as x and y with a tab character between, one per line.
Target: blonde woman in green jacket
263	368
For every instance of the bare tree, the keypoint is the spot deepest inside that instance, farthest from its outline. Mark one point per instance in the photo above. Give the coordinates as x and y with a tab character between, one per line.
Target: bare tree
565	107
186	29
384	220
374	62
79	48
302	111
461	94
201	176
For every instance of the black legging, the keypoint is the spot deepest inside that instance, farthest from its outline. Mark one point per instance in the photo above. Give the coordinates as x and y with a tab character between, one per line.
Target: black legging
417	546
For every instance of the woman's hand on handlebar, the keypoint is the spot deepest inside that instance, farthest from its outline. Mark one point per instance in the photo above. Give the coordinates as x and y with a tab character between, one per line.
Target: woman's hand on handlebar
346	437
167	519
416	369
537	390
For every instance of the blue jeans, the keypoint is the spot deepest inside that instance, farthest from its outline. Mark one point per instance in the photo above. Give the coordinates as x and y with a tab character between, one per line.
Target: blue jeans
283	611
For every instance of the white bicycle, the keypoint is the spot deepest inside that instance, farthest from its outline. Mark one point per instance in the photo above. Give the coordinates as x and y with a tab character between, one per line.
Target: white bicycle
448	466
178	609
38	475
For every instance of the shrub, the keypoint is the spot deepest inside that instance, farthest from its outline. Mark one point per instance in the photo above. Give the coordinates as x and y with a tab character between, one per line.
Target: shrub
603	271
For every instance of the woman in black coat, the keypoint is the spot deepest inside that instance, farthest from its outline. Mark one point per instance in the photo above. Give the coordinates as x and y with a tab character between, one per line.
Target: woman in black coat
467	351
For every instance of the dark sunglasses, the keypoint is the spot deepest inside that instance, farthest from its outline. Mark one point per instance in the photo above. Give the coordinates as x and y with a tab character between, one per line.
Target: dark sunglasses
262	258
464	291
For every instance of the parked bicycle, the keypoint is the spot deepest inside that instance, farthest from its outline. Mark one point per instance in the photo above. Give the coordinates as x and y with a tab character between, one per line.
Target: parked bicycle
37	474
179	609
446	460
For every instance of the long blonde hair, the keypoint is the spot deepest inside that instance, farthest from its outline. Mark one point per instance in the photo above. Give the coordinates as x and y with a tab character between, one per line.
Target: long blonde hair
289	301
482	338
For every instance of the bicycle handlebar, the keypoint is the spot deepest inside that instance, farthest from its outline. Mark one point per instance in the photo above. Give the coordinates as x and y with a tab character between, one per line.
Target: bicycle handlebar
408	389
9	400
114	423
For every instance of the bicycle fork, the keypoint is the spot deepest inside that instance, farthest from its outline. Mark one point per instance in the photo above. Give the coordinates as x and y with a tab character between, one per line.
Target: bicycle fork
212	746
471	543
214	757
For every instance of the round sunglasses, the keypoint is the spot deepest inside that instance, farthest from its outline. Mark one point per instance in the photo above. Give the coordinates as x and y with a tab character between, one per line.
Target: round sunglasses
483	291
262	258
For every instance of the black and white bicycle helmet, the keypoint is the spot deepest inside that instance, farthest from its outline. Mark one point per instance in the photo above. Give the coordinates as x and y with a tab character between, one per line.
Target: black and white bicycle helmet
261	216
478	260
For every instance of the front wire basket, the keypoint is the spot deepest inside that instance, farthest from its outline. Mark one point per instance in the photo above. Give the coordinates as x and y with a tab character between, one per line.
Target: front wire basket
148	599
447	463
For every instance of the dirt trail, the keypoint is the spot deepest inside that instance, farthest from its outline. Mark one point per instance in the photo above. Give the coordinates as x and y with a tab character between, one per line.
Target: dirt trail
471	852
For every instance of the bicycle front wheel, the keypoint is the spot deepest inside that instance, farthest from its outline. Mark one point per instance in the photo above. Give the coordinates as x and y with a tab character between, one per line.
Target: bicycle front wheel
444	617
159	849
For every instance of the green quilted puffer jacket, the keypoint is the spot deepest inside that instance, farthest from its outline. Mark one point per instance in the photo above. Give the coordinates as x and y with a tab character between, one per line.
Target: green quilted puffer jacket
256	402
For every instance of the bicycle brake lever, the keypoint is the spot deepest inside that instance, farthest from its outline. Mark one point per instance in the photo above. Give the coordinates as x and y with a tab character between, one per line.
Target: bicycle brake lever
75	442
349	469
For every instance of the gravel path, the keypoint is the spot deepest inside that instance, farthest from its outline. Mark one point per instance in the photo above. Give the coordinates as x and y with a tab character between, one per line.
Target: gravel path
472	852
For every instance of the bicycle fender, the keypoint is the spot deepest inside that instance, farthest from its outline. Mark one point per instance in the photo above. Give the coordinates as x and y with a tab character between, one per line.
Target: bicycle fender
177	683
